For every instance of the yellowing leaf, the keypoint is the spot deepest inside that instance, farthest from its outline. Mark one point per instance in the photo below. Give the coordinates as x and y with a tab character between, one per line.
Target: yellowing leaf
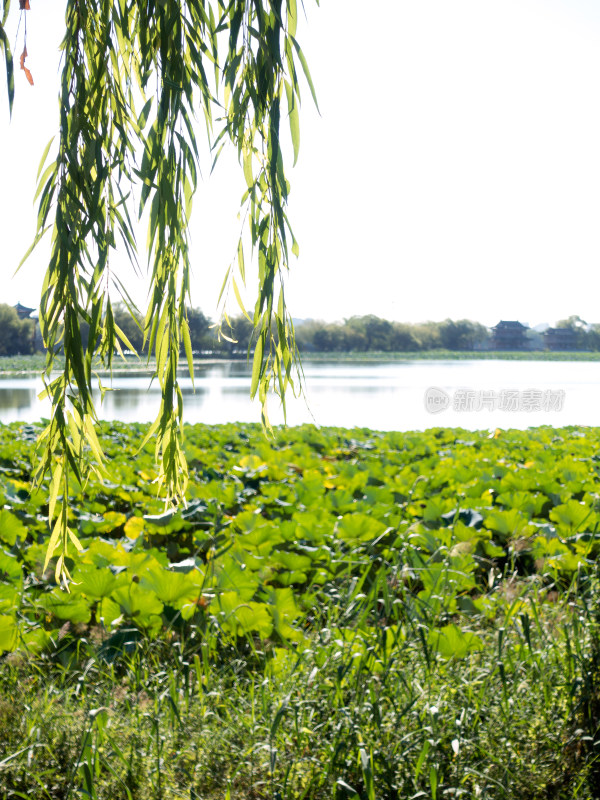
28	74
133	527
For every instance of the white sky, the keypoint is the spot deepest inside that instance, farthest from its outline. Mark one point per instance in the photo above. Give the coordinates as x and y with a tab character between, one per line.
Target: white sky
454	171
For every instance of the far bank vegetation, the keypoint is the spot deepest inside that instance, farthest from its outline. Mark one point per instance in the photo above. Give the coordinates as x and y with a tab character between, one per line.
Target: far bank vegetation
358	334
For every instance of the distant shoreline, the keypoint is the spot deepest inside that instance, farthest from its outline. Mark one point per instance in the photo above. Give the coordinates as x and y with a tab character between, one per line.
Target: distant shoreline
26	365
457	355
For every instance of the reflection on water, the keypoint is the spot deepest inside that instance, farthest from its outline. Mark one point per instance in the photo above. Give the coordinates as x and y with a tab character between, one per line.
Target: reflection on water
382	396
16	399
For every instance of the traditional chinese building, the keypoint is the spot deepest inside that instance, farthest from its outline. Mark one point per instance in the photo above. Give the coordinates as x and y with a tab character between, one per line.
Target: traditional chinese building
509	335
560	339
23	312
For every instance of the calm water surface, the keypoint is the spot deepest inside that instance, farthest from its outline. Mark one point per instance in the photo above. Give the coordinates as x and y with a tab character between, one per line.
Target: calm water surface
385	396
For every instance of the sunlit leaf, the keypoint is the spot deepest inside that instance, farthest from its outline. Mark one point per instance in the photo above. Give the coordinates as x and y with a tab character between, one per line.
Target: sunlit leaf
8	633
11	527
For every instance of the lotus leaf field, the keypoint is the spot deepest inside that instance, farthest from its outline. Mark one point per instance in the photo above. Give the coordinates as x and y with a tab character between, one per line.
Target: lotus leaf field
334	614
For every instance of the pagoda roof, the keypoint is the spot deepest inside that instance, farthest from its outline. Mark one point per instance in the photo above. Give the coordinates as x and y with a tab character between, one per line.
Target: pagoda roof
510	324
23	311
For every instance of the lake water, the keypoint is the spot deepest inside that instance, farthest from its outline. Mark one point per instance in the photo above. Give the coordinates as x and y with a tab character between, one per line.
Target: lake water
387	396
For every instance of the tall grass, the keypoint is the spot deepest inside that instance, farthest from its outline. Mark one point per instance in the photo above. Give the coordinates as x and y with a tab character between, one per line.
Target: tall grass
365	708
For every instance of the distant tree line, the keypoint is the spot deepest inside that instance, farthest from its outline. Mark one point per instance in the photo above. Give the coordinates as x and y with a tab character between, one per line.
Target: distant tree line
21	336
586	337
356	334
17	336
371	333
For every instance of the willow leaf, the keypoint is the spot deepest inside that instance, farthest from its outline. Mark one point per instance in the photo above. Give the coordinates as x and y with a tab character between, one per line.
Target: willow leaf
294	119
53	542
44	157
10	72
238	297
306	71
115	54
257	364
187	343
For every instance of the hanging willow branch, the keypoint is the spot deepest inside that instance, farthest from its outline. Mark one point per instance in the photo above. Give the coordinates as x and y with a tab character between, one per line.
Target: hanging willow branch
135	73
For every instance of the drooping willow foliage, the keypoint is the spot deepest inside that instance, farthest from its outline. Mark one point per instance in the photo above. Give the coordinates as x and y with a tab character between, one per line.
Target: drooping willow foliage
136	76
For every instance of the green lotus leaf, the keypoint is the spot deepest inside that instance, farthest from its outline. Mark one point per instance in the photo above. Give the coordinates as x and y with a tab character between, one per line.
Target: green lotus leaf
109	612
11	528
282	605
434	509
291	561
241	617
169	586
9	596
359	528
139	561
137	603
101	553
94	582
10	568
528	502
66	606
574	516
507	523
231	576
263	538
291	578
36	639
452	642
8	633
